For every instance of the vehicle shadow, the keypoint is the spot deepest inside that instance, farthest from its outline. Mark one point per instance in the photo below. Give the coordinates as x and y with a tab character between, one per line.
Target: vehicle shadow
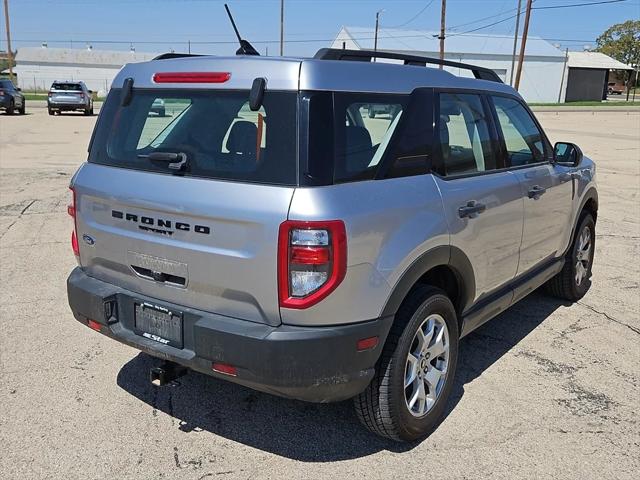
314	432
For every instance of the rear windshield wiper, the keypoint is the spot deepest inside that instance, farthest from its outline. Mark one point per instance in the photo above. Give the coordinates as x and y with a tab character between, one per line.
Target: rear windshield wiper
177	160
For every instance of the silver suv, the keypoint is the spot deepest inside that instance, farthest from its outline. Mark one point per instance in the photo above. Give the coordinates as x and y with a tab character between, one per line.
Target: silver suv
69	96
267	231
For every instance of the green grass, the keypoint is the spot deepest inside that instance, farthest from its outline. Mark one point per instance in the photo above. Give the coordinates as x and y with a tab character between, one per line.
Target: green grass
589	104
43	96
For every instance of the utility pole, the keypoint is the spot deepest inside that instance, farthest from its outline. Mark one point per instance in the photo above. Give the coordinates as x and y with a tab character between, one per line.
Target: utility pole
442	27
375	35
523	44
281	28
189	47
564	69
515	42
9	51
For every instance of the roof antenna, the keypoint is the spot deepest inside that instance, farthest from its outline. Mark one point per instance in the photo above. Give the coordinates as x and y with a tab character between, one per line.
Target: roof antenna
245	47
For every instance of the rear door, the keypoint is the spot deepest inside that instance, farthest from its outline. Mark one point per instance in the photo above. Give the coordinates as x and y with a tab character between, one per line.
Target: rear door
203	235
482	201
546	187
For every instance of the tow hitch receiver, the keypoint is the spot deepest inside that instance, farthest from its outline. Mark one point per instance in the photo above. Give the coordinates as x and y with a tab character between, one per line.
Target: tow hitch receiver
166	373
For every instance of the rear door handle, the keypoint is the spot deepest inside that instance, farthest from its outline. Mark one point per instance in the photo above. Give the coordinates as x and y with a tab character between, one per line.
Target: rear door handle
536	191
471	209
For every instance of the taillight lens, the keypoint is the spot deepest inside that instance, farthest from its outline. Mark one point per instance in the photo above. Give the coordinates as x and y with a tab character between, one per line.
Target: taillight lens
312	261
71	210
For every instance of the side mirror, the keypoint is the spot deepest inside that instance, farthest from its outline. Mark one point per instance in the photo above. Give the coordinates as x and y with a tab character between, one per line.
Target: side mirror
18	89
567	153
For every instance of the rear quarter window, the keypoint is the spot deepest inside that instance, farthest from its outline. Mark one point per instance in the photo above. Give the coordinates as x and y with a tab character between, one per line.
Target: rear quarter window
216	130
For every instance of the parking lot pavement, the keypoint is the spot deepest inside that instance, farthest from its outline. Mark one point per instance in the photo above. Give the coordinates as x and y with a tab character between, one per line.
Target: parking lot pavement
546	390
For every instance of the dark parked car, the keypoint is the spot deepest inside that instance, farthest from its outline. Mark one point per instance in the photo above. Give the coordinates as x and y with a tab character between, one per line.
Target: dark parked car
11	98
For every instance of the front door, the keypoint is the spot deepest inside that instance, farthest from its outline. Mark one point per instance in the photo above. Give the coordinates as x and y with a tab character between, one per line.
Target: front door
546	187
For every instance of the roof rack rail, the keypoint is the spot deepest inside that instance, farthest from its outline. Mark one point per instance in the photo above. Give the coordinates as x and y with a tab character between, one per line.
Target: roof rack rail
169	55
480	73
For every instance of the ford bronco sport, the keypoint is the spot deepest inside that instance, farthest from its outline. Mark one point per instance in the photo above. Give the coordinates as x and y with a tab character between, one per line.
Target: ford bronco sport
267	231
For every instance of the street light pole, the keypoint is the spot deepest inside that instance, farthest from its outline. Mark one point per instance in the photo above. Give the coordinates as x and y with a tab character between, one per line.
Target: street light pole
523	44
9	51
515	42
281	28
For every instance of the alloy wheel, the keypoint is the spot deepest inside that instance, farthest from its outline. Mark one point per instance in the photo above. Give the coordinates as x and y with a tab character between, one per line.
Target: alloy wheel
426	367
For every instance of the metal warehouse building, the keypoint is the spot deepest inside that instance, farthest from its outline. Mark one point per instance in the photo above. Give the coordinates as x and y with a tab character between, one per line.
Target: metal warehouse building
589	74
38	67
543	65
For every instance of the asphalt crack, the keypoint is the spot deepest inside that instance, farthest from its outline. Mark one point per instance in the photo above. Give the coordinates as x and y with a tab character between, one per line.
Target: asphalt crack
18	217
609	317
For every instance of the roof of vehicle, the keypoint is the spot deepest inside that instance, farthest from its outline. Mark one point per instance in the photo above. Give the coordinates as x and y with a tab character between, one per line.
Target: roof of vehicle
283	73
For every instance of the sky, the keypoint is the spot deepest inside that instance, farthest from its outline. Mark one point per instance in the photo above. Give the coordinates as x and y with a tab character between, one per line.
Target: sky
164	25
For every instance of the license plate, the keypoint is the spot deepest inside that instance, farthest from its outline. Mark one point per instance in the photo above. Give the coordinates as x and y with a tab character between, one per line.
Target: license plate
159	324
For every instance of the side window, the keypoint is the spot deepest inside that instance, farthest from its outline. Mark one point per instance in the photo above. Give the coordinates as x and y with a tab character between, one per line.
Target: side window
464	139
522	138
364	138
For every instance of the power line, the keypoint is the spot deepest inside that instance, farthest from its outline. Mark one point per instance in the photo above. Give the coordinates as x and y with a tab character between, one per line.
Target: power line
415	16
585	4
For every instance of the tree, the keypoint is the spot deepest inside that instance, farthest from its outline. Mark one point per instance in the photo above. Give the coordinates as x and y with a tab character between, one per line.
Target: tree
622	42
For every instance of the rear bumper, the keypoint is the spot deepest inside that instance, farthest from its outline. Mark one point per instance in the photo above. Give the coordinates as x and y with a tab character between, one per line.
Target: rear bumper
316	364
67	106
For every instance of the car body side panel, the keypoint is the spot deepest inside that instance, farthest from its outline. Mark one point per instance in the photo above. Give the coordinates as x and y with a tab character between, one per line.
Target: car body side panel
389	223
492	239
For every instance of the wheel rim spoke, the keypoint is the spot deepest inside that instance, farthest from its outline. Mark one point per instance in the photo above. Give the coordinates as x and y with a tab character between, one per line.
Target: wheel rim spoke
437	348
411	372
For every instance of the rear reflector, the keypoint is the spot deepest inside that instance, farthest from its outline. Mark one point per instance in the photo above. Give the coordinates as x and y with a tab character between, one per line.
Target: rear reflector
224	368
367	343
191	77
93	325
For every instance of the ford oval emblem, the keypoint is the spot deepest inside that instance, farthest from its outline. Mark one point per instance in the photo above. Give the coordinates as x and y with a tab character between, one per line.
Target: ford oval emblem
88	240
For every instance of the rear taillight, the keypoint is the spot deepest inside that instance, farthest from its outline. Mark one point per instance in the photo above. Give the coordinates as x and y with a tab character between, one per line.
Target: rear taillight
312	261
71	210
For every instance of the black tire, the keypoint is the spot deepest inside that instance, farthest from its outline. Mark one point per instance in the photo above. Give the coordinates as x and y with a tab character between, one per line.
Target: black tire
23	108
11	108
87	111
162	113
51	112
91	110
565	284
382	407
372	113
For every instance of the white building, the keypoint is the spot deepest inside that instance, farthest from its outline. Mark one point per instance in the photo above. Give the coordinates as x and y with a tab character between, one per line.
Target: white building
38	67
543	64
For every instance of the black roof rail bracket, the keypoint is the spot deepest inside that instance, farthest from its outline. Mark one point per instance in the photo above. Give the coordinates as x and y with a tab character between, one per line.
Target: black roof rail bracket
480	73
169	55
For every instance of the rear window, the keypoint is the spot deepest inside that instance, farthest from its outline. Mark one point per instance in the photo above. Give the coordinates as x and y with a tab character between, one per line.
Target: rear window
66	86
216	130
